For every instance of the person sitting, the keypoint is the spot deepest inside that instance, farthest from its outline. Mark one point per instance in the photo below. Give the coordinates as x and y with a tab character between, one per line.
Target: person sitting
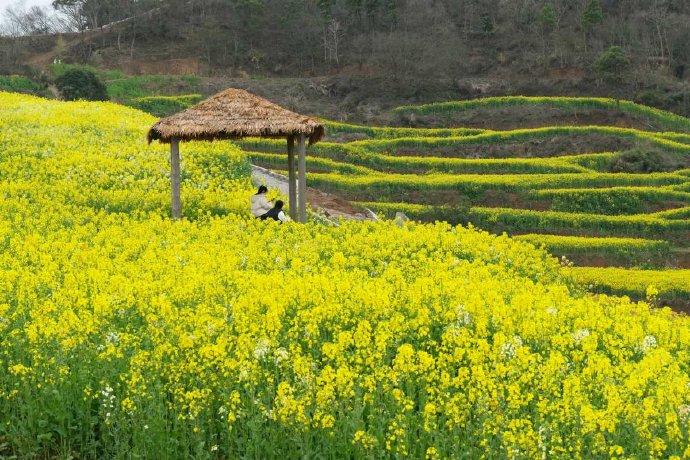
276	213
259	203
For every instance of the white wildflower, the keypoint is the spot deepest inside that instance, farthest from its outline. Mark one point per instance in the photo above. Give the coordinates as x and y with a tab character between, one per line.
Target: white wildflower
112	337
509	349
463	317
281	354
580	335
684	413
261	350
648	343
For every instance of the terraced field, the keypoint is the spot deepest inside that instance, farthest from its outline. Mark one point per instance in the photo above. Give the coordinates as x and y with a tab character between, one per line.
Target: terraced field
614	194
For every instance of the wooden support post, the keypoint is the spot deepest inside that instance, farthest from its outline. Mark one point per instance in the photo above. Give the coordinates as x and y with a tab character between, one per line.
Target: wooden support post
292	177
175	178
302	178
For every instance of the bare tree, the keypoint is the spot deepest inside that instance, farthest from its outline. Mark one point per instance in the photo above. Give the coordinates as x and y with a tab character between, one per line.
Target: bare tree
34	21
332	35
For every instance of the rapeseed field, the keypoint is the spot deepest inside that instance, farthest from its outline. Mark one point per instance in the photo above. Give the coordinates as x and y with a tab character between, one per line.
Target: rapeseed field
125	334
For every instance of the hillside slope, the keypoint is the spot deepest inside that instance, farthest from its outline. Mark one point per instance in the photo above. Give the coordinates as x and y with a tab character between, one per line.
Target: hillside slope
599	196
124	333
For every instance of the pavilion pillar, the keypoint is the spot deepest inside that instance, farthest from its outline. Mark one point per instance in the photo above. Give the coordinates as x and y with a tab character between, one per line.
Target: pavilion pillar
302	178
292	178
175	178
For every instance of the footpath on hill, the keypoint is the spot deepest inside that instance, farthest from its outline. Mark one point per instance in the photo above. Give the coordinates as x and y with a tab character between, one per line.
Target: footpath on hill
323	203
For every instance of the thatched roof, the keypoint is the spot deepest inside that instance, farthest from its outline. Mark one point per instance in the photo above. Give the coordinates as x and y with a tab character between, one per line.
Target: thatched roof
233	114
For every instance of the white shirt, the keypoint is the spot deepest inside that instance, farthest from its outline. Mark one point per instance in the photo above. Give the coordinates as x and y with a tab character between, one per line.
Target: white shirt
260	205
282	217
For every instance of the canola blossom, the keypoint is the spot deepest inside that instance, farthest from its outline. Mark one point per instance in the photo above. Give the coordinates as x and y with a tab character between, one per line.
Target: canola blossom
125	334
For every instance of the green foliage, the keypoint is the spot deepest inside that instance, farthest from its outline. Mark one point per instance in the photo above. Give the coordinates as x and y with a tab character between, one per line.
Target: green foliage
487	24
529	221
678	213
547	17
592	15
672	286
21	84
645	161
612	65
598	203
81	84
596	200
162	106
665	120
58	69
314	164
614	251
127	89
336	129
438	188
617	200
351	154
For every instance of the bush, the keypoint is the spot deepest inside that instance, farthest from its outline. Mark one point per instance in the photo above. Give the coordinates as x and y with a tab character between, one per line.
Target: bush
76	84
20	84
612	65
643	161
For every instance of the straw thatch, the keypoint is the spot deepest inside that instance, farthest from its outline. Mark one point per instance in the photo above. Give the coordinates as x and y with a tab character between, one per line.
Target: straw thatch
233	114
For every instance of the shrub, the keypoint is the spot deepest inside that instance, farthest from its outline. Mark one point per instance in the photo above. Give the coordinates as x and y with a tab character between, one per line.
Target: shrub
612	65
84	84
643	161
20	84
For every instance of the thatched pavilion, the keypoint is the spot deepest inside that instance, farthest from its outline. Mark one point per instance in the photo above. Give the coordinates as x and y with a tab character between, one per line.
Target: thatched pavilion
234	114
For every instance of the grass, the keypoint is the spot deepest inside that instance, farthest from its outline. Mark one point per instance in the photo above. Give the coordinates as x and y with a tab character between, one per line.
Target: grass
345	154
678	213
336	129
130	88
429	145
527	221
611	200
530	221
432	188
664	119
314	164
21	84
162	106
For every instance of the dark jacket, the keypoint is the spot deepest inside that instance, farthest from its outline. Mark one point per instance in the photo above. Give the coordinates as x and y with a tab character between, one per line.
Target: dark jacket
272	214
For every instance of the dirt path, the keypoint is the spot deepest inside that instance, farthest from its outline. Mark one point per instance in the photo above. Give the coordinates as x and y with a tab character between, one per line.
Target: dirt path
326	204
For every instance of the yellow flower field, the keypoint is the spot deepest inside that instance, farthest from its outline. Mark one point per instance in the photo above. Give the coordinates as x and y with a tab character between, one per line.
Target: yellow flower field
124	334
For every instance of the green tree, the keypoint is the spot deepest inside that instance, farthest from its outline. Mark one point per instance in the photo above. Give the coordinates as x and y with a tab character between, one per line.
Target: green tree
592	15
81	84
612	65
547	17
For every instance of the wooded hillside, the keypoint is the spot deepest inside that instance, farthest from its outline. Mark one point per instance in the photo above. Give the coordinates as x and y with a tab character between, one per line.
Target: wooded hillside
627	46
